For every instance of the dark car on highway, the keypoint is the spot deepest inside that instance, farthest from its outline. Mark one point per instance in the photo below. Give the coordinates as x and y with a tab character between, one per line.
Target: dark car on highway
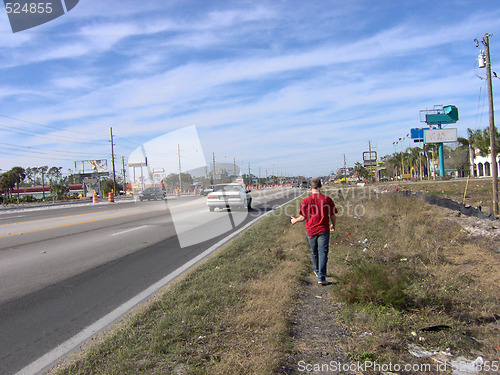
207	190
155	193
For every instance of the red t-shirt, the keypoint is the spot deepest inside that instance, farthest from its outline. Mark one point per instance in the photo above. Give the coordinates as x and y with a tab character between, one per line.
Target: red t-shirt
317	209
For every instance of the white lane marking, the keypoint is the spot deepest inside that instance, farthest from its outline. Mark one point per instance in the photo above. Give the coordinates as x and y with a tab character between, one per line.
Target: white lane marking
129	230
11	217
51	358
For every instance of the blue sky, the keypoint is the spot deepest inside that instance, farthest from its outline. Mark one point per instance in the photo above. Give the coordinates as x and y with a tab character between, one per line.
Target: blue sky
287	86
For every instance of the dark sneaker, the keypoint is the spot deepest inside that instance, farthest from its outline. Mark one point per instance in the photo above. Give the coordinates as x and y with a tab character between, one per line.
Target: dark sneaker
324	282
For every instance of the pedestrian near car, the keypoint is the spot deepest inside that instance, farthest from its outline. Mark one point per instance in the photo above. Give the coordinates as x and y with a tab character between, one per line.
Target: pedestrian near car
318	211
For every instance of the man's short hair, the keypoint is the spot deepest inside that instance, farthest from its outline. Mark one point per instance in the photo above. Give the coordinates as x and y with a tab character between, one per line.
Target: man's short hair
315	183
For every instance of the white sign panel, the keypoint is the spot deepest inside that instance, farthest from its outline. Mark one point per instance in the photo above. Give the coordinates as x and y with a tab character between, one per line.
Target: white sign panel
440	135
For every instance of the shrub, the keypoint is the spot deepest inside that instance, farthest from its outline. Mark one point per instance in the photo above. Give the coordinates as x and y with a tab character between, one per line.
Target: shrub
378	283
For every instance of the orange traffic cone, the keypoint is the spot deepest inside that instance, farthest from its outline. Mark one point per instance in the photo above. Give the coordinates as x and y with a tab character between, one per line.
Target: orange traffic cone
177	193
94	198
111	197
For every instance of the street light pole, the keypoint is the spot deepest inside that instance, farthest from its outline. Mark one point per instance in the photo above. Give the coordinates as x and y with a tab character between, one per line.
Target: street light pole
395	165
113	160
402	160
179	163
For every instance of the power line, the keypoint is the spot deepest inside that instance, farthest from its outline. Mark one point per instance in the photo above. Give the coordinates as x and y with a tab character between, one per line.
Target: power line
38	124
45	157
43	151
42	135
126	140
479	112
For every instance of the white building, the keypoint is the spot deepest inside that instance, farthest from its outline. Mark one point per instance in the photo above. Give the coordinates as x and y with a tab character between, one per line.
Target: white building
482	165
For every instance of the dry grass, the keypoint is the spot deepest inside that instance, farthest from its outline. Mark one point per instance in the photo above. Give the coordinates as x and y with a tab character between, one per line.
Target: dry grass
446	277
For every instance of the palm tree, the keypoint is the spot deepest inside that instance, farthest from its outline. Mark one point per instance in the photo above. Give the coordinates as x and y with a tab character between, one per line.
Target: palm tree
19	175
54	174
429	148
361	171
7	182
469	143
415	161
43	170
35	172
482	141
394	161
29	175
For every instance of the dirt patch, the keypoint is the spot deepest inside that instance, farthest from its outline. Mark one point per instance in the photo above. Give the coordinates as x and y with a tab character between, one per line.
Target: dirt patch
317	330
487	232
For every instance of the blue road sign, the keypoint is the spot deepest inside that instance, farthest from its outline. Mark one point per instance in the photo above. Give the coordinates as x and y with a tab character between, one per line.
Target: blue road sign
417	133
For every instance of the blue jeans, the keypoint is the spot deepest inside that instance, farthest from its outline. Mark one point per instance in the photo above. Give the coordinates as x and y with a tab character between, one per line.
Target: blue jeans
319	251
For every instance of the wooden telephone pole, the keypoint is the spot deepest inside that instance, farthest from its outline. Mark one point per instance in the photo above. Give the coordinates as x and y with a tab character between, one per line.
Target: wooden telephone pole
494	162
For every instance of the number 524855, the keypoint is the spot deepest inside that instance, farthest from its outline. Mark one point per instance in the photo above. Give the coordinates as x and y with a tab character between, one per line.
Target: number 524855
31	8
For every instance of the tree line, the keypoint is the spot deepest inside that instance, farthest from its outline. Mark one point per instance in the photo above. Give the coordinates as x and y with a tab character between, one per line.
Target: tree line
35	176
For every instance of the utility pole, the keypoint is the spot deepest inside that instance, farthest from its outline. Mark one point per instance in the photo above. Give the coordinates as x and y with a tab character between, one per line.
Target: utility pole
212	179
113	160
179	161
345	171
494	162
124	175
249	177
370	168
402	161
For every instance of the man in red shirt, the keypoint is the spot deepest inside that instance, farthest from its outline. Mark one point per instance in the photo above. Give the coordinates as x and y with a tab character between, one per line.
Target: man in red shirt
318	211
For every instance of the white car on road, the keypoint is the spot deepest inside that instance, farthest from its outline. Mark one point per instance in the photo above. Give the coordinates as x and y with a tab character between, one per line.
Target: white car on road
232	196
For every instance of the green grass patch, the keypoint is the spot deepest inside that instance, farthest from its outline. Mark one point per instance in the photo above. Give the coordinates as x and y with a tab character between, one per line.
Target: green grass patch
373	282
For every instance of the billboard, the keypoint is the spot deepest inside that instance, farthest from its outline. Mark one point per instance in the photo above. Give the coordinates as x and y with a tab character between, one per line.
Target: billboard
99	165
370	156
440	135
369	159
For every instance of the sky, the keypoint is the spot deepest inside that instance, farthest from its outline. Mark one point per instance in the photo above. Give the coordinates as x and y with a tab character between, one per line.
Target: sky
283	87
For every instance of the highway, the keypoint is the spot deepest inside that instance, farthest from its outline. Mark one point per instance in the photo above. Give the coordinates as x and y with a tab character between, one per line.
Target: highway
62	269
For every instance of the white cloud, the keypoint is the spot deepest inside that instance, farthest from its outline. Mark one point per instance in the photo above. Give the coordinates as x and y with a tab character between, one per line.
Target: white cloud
235	72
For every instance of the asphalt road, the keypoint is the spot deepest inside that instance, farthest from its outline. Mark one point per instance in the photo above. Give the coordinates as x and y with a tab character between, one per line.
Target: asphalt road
63	269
